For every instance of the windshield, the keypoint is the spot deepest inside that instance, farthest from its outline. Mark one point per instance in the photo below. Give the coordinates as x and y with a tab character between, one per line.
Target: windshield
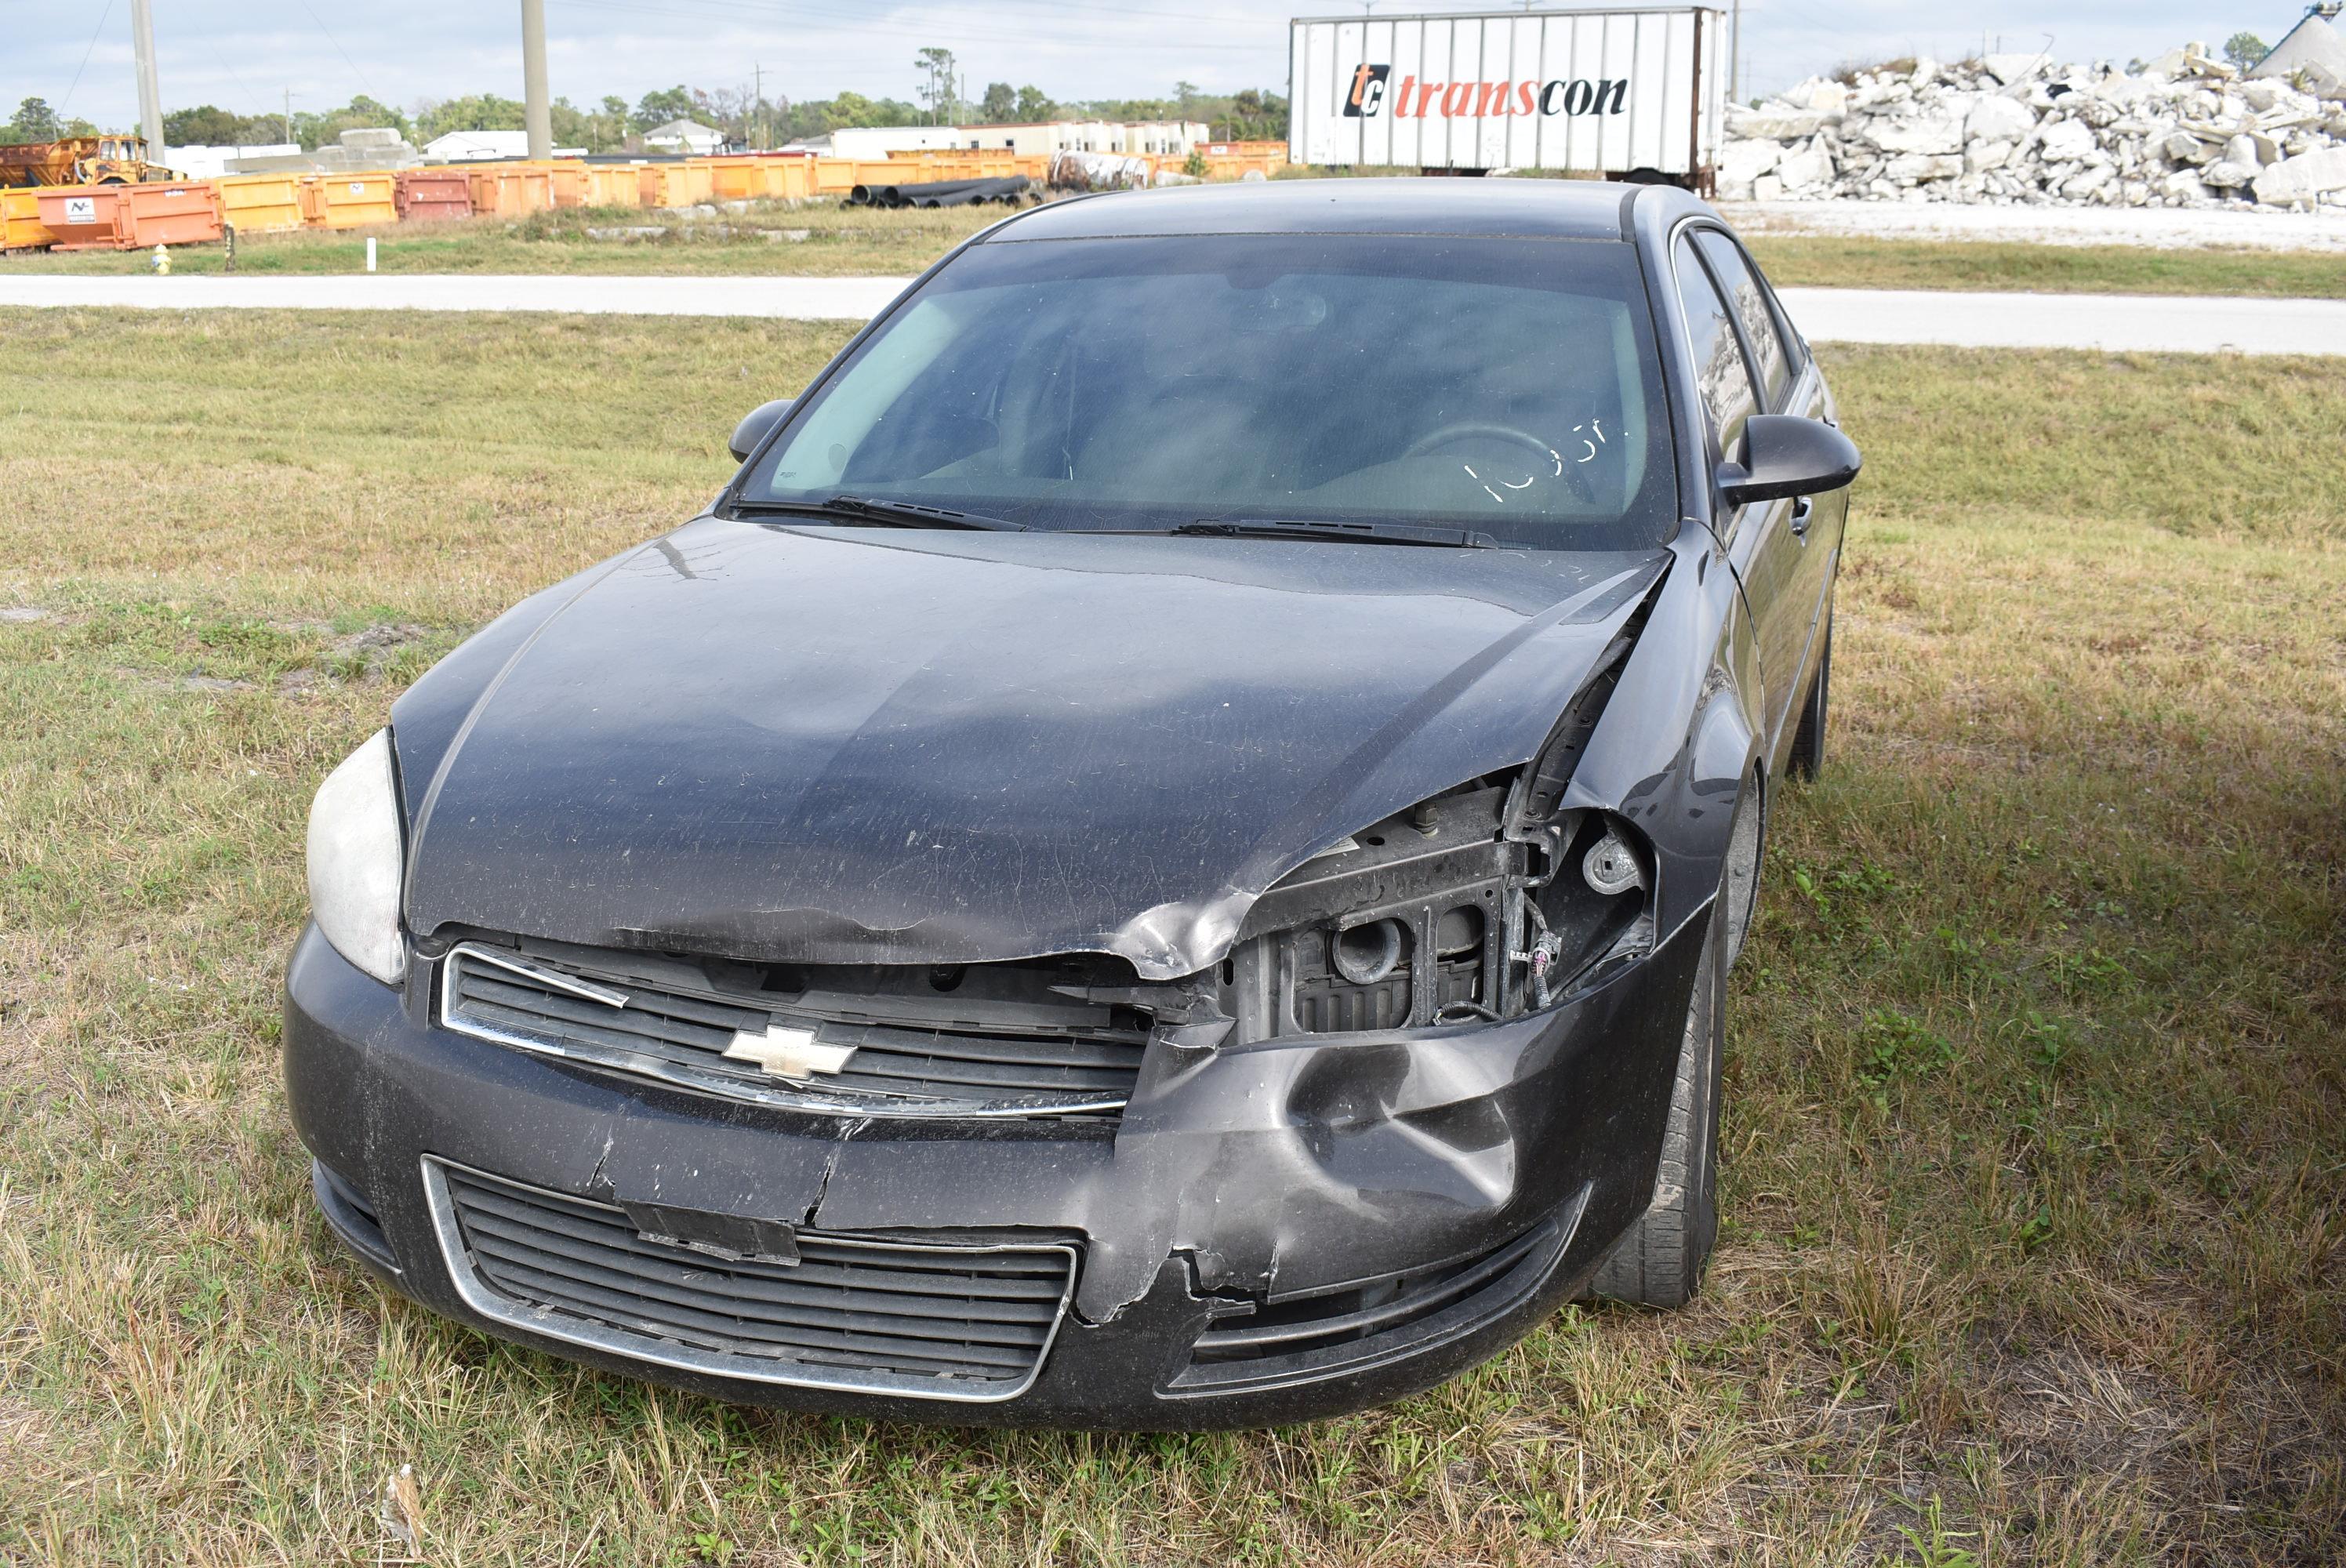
1507	387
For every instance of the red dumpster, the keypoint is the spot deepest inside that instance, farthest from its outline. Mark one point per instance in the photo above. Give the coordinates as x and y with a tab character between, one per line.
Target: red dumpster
427	193
130	217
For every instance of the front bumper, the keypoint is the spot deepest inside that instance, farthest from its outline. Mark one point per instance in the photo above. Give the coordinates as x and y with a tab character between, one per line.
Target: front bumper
1240	1186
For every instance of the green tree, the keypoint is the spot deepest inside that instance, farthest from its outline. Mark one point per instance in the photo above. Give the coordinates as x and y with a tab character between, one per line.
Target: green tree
361	113
2245	49
1035	107
208	126
481	111
936	66
35	121
1001	103
1184	93
654	110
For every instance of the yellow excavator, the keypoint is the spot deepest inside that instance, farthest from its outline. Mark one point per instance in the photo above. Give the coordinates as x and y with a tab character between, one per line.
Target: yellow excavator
79	160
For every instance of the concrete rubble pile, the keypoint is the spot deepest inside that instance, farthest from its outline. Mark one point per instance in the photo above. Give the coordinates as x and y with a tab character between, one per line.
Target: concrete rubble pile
2187	130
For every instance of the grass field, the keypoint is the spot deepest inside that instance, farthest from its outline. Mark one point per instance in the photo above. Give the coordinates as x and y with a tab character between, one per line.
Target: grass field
2032	1236
834	239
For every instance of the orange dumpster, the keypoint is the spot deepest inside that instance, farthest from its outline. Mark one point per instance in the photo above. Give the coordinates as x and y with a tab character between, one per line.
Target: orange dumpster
20	221
130	217
509	190
424	194
566	180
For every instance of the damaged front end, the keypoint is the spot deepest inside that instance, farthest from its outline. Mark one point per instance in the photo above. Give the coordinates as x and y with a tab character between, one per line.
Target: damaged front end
1397	1119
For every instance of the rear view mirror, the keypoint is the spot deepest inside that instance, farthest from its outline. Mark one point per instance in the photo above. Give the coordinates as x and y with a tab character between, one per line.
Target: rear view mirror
754	428
1785	455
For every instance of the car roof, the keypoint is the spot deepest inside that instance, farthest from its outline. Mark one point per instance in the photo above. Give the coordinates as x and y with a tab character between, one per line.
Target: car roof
1537	208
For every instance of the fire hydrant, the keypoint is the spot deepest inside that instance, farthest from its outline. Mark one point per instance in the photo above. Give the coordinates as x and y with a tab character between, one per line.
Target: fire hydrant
161	263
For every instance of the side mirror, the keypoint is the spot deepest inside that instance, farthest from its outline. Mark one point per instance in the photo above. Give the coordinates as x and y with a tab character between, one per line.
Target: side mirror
1785	455
754	429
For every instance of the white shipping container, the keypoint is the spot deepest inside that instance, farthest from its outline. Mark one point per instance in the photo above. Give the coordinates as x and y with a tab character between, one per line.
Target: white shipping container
1640	91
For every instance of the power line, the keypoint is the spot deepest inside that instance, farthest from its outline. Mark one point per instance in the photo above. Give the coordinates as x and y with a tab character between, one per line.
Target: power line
367	85
86	54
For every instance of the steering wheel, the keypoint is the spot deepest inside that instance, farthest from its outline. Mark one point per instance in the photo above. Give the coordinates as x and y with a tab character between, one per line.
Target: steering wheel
1470	429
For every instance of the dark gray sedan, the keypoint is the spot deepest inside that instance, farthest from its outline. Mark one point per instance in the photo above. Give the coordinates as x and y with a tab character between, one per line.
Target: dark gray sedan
1165	854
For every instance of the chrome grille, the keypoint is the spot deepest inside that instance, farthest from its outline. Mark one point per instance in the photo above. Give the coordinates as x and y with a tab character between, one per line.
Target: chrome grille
946	1323
680	1031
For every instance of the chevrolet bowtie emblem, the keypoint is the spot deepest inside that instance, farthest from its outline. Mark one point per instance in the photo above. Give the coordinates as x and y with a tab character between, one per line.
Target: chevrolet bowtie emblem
788	1052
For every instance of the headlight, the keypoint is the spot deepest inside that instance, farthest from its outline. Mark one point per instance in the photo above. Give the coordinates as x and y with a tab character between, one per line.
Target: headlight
355	861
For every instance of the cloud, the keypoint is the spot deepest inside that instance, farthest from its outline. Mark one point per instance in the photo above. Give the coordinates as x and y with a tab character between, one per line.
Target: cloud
245	55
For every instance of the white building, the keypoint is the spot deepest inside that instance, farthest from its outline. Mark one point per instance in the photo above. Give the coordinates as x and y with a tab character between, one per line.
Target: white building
211	162
1039	141
1042	140
879	141
688	137
479	146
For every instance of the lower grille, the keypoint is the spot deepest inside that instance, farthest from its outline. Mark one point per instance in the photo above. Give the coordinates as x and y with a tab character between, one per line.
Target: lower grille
680	1028
964	1323
1348	1332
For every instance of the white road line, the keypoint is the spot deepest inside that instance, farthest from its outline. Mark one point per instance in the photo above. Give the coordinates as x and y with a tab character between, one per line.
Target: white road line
2116	322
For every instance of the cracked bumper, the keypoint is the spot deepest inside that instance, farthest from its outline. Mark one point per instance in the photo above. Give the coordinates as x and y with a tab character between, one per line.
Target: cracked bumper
1290	1170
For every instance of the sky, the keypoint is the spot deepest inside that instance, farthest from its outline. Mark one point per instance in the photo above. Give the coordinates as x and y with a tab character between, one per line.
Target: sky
244	54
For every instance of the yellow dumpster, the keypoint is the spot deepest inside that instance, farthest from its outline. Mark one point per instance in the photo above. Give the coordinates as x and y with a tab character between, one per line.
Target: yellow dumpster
788	178
260	203
736	179
614	185
682	183
20	221
348	200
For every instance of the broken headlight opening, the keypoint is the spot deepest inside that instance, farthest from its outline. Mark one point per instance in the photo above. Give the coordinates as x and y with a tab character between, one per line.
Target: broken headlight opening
1480	904
1441	915
356	861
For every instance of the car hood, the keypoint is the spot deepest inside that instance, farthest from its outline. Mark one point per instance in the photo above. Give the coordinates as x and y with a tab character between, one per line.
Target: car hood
835	745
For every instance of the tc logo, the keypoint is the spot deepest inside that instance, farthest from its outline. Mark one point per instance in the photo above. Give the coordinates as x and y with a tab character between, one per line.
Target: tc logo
1368	91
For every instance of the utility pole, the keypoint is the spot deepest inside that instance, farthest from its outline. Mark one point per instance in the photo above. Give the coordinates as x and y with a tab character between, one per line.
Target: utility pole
537	113
150	96
758	106
289	117
1735	55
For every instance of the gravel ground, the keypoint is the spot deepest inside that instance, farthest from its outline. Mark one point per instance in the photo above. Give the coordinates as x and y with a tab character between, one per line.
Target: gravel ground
2163	228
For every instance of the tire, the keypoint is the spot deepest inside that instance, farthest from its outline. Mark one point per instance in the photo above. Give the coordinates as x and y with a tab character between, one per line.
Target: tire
1809	741
1660	1261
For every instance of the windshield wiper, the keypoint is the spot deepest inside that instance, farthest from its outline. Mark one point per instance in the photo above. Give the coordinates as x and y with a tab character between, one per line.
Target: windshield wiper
887	514
1359	533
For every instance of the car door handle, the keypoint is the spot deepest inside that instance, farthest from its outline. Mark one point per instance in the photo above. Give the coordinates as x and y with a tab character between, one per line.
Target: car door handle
1801	511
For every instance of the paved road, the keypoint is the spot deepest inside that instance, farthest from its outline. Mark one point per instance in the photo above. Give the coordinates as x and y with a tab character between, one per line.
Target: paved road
2156	227
2117	322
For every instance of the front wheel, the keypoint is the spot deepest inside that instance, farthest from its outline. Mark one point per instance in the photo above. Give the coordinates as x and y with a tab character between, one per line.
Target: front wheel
1660	1261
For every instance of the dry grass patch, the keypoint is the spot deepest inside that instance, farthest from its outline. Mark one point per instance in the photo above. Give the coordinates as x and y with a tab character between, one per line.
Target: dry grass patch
2032	1245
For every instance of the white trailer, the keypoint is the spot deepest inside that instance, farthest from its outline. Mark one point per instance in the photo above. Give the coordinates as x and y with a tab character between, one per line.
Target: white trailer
1638	93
